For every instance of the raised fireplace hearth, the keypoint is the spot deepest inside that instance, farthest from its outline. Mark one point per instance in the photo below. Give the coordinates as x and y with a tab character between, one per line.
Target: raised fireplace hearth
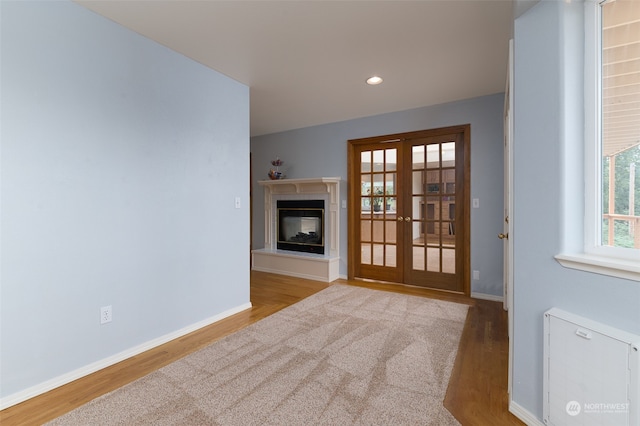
302	228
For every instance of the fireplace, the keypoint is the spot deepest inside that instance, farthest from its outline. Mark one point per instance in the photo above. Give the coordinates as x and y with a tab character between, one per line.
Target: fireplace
315	265
300	225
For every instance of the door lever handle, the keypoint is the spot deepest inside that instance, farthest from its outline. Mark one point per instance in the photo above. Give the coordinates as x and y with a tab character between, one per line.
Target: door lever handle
503	236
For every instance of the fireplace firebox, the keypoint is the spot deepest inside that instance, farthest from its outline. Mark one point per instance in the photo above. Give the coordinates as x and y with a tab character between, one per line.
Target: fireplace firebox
300	225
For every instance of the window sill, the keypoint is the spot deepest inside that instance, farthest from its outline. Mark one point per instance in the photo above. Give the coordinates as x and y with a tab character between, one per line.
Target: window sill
627	269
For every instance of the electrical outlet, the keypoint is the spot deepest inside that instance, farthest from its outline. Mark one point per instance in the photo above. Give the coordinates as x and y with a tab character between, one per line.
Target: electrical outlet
106	314
237	202
476	275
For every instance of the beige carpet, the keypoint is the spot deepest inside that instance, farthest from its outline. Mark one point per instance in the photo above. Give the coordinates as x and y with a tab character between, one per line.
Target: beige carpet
344	356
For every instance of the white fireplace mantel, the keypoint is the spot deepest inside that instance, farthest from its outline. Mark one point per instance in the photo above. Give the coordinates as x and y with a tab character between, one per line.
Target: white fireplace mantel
322	267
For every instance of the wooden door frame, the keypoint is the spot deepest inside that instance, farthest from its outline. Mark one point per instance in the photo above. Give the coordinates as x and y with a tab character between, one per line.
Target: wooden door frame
353	197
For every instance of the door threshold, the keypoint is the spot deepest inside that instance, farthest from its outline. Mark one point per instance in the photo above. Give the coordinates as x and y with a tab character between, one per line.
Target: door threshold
415	290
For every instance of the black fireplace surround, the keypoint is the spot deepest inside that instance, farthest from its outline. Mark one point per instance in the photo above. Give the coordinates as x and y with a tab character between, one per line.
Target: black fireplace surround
300	225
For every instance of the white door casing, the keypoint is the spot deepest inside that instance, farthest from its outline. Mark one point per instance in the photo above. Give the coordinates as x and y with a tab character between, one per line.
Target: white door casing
508	208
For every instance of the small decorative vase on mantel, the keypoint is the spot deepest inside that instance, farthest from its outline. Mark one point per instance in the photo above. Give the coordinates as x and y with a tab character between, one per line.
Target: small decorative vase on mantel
276	174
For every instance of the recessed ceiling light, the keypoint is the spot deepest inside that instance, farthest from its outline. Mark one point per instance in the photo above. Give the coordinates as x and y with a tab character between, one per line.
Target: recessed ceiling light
374	80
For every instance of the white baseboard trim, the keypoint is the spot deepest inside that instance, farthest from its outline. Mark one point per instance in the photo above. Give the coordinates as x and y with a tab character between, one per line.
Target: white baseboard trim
56	382
485	296
523	414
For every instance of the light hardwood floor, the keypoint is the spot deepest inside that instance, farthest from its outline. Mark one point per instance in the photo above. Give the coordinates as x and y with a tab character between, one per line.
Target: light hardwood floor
477	389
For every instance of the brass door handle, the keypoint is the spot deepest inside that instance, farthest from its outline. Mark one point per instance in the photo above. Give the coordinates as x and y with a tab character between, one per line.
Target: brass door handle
400	218
503	236
407	219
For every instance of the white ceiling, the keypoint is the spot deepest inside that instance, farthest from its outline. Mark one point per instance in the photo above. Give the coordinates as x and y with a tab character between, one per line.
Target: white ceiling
306	62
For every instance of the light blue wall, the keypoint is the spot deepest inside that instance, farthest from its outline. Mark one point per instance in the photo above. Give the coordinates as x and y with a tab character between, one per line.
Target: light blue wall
322	151
549	193
120	164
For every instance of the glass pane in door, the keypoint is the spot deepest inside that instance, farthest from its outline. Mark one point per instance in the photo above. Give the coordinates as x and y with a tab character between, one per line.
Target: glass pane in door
365	161
378	160
365	253
433	156
378	200
449	261
390	255
433	207
390	160
378	254
378	231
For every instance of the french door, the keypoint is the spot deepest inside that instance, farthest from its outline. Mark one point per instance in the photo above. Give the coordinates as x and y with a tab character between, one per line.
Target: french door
408	216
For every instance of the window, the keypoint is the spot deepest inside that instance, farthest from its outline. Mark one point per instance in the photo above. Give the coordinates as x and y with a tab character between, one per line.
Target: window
617	135
612	136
